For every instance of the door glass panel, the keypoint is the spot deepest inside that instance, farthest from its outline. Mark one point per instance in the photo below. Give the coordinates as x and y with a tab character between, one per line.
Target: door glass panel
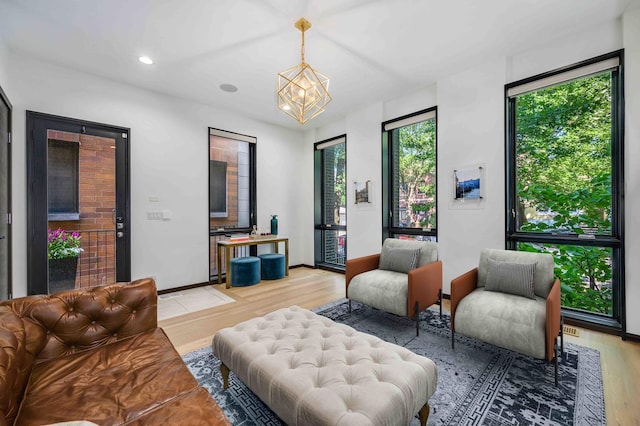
333	205
334	185
335	247
81	210
230	180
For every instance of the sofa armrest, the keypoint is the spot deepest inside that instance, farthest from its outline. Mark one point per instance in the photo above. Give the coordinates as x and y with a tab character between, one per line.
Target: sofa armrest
460	287
360	265
552	319
424	285
78	320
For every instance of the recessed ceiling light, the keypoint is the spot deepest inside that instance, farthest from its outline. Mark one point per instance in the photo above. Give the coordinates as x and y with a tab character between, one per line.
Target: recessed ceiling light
228	87
146	60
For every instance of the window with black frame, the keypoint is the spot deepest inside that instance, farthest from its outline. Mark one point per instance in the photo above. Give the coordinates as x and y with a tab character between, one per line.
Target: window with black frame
330	166
409	176
232	189
564	181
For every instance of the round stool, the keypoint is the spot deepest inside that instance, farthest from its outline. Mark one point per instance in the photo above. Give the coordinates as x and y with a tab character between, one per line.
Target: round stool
273	267
245	271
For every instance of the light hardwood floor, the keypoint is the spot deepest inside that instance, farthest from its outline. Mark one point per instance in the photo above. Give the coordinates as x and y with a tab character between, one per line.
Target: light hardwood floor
310	288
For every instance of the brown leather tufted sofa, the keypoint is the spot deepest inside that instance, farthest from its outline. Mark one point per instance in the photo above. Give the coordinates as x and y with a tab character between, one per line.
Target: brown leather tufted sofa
95	355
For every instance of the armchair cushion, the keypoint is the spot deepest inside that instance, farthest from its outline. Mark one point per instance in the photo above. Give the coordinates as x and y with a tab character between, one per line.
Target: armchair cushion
428	249
505	320
512	278
385	290
398	259
542	277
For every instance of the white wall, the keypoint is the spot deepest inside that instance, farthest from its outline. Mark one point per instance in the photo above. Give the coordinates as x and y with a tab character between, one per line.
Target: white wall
168	159
416	101
363	145
4	60
470	132
631	32
569	50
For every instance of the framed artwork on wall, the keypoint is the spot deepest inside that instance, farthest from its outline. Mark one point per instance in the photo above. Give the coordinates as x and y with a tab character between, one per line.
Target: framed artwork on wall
362	191
468	186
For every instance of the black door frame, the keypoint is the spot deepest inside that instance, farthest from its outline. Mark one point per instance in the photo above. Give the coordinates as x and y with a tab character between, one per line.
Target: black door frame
37	222
8	238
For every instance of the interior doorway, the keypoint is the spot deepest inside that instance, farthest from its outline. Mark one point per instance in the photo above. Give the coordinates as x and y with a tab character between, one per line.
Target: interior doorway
78	204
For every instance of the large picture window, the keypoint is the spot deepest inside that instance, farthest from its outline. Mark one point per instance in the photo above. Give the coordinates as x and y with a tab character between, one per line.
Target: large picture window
409	164
564	181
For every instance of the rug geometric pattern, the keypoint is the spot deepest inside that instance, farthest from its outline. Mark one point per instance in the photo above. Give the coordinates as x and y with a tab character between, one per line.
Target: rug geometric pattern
478	383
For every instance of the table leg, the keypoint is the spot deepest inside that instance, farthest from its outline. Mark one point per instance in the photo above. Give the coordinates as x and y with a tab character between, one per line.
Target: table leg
219	248
286	257
228	260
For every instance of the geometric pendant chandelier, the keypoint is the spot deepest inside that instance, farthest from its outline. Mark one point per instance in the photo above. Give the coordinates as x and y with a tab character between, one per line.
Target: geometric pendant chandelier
303	92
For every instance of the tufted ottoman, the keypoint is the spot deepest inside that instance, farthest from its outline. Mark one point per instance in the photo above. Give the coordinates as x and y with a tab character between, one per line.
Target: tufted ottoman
312	371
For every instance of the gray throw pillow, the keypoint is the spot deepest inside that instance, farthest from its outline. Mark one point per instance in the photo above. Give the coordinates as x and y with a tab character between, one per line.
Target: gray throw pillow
398	259
512	278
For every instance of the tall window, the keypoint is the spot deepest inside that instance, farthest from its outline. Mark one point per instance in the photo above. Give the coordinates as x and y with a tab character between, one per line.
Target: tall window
232	188
409	165
330	163
564	181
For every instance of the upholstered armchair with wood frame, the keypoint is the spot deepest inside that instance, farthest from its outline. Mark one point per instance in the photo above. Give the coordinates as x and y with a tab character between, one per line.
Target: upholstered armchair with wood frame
404	279
510	300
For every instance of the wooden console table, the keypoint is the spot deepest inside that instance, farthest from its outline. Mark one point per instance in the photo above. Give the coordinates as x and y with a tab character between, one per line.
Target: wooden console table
226	246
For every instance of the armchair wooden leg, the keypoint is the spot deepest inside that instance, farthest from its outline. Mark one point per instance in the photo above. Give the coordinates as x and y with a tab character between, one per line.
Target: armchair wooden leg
440	301
452	338
555	360
561	335
349	305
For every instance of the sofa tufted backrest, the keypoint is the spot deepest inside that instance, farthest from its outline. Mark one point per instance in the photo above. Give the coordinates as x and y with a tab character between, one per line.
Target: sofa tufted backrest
428	249
542	277
77	320
15	365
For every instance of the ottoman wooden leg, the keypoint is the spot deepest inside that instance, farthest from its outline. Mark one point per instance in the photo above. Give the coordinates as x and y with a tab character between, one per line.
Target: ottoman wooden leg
224	370
424	414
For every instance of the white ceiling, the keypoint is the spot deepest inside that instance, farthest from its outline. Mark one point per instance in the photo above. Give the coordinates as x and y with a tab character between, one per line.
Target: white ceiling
372	50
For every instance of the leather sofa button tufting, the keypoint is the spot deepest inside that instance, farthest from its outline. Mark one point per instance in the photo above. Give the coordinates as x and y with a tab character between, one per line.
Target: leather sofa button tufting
93	322
133	312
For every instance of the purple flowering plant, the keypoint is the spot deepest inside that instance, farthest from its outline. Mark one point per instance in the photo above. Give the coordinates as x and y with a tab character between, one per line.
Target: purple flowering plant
63	244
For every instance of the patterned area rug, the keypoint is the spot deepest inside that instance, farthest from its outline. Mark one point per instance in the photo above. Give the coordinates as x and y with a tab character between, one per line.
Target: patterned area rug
478	384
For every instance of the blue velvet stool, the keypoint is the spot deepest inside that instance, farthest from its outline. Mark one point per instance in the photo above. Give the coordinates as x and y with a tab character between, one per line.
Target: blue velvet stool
273	267
245	271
